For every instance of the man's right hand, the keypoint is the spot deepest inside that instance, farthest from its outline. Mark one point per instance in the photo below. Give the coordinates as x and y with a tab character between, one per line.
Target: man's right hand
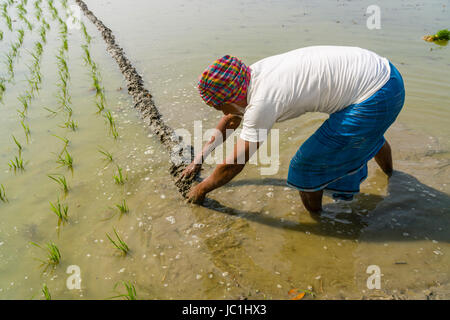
191	170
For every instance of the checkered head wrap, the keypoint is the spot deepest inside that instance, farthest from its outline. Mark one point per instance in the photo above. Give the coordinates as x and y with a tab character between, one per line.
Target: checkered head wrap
224	81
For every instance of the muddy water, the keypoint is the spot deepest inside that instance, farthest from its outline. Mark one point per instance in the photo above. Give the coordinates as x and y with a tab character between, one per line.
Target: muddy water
253	239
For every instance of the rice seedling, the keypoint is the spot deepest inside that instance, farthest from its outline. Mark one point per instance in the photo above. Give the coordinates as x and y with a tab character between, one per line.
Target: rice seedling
118	178
96	83
36	61
19	146
87	55
1	35
114	132
62	65
43	34
65	44
64	76
100	106
16	163
2	89
21	36
38	48
29	24
26	21
25	99
108	156
38	14
10	65
62	27
61	210
35	77
71	124
63	96
131	291
60	180
53	9
45	24
38	10
3	197
34	81
20	7
55	13
22	114
119	243
46	292
63	83
99	90
52	112
26	130
65	160
15	49
8	21
34	85
68	109
112	124
123	207
87	37
65	140
108	116
53	254
36	55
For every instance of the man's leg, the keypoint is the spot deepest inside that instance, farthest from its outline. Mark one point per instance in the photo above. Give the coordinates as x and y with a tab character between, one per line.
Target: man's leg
312	201
384	159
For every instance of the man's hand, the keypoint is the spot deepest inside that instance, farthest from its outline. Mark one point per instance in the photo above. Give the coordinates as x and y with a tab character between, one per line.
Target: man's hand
190	171
223	173
196	195
229	121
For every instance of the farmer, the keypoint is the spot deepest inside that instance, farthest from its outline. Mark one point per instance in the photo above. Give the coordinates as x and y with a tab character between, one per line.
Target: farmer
362	92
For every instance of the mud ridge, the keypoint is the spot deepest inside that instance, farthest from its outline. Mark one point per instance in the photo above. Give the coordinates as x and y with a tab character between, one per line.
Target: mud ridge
180	153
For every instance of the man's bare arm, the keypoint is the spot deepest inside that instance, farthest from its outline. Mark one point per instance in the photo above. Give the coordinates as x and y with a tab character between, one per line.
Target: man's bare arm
229	121
223	173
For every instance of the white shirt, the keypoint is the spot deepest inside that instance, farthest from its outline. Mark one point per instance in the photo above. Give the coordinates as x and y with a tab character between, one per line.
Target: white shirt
312	79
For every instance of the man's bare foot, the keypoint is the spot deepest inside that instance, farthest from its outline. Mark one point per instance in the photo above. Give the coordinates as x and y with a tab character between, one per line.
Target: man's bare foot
312	201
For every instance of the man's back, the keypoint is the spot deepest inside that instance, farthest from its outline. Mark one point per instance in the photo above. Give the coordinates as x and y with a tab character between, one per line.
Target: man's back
319	78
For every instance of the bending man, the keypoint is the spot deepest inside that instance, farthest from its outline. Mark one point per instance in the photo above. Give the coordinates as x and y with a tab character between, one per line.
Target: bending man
362	92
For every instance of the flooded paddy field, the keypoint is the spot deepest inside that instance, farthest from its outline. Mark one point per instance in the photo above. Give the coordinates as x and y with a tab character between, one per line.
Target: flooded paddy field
253	238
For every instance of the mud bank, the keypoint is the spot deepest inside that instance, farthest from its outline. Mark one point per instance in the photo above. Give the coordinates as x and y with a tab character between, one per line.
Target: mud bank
180	153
